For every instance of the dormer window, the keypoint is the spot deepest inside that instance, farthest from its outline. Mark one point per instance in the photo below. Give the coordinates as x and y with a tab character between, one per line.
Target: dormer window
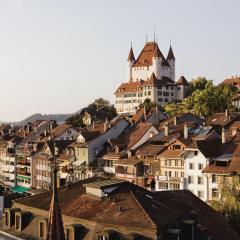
75	231
42	228
22	219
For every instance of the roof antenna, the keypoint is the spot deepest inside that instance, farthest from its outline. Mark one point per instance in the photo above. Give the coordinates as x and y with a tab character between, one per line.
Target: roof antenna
146	36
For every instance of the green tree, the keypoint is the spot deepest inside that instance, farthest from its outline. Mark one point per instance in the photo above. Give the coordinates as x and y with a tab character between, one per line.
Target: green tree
75	121
198	83
99	103
229	202
148	104
210	100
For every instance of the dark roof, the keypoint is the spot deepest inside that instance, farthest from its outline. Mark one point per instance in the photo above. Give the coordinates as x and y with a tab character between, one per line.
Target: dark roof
209	221
182	81
170	55
131	55
140	208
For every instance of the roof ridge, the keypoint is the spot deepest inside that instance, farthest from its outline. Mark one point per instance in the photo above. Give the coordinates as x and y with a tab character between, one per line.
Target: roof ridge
141	207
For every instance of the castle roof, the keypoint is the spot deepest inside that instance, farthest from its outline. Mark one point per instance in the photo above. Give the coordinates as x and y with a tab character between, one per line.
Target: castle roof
131	55
182	81
146	55
170	55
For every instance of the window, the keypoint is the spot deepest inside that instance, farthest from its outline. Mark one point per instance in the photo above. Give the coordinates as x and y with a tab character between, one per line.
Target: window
176	163
166	94
171	93
140	94
214	193
200	180
149	93
42	229
169	173
165	100
190	179
176	147
169	163
6	218
175	186
182	174
200	166
18	222
167	87
214	178
166	163
182	163
171	88
159	87
191	166
159	93
176	174
160	99
163	185
195	153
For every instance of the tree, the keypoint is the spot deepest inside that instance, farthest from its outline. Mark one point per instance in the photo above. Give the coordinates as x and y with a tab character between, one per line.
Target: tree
210	100
229	203
198	83
75	121
99	103
148	104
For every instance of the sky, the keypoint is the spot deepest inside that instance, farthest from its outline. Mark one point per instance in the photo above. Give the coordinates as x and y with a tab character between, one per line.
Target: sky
57	56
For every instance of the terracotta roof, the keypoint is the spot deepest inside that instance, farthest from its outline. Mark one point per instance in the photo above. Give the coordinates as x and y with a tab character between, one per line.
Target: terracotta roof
223	120
140	208
130	138
235	81
182	81
131	55
129	87
138	116
60	129
170	55
146	55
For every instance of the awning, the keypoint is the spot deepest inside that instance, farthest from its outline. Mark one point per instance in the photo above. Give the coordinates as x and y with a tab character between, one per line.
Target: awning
19	189
78	162
23	177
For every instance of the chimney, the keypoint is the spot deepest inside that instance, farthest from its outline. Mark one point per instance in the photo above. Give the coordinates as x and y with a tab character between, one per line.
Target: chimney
166	130
185	131
145	113
175	120
105	126
226	112
28	128
223	136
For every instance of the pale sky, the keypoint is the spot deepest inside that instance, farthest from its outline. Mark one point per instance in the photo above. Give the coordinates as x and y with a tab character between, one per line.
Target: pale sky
58	56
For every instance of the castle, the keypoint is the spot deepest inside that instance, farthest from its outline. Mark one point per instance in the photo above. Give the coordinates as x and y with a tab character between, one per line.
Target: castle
150	76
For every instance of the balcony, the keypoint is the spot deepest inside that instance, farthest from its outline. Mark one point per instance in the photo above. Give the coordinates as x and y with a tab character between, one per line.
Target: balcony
23	171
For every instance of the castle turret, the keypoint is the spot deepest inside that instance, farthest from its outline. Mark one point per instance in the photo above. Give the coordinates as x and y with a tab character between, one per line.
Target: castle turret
131	61
171	60
156	60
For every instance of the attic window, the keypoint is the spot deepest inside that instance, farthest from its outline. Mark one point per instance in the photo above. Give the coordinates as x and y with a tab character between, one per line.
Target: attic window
42	226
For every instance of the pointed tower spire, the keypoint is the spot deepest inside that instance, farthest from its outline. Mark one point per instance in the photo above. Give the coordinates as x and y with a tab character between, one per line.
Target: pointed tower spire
170	55
156	53
55	223
131	55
